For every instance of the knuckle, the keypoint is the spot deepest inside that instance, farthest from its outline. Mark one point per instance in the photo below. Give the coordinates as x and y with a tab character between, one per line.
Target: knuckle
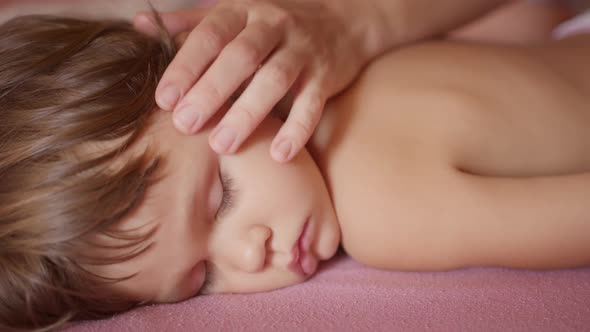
211	39
247	115
303	129
311	114
248	53
280	76
185	73
209	93
315	106
283	18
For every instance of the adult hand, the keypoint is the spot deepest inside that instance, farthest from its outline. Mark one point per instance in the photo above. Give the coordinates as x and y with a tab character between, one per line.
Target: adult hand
310	48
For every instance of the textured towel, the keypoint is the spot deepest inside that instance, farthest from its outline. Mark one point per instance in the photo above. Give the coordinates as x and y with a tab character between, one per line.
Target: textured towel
346	296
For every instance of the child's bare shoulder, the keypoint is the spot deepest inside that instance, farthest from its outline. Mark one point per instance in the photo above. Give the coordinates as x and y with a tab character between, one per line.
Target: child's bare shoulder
380	142
392	142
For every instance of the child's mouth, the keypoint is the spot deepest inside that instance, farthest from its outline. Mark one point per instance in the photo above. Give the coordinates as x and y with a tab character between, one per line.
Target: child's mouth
302	262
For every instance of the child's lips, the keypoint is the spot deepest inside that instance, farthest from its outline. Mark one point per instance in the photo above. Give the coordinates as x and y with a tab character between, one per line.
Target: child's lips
303	263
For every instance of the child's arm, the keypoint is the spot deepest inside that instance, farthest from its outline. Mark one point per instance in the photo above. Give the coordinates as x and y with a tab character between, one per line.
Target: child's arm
538	222
543	220
531	223
480	156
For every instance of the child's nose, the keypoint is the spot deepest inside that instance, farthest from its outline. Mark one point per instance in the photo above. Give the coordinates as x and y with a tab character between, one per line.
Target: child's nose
252	252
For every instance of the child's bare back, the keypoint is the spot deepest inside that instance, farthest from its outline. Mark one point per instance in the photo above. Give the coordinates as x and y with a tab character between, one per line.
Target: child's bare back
447	155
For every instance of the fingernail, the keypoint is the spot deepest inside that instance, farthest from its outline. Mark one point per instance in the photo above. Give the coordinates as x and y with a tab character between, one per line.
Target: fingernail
169	97
282	150
186	118
223	139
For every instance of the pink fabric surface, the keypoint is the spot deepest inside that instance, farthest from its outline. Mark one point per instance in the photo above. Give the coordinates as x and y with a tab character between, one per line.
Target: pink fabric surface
346	296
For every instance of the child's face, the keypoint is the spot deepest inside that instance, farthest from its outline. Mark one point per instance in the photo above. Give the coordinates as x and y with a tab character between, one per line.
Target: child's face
246	237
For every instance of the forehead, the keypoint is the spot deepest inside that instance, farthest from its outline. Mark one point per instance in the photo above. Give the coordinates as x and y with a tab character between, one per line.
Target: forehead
186	170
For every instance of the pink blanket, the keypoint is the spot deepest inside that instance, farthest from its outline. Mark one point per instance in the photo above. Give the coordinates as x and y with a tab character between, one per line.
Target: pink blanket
346	296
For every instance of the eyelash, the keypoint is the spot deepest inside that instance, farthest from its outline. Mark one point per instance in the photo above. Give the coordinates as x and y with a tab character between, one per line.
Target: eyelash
228	195
227	202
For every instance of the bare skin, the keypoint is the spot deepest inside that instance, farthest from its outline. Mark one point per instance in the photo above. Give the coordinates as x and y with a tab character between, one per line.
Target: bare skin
448	155
442	155
308	49
517	22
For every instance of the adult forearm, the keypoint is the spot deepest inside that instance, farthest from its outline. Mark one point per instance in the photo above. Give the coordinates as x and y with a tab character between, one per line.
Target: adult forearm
404	21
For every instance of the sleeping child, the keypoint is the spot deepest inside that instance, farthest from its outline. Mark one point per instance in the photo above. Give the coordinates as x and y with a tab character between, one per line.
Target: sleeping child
442	155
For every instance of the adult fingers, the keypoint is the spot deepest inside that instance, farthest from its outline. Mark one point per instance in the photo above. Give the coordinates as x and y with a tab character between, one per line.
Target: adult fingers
236	63
304	117
201	47
269	85
174	22
180	39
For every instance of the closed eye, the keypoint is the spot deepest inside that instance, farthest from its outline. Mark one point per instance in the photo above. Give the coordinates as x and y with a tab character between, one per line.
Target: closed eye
227	203
227	197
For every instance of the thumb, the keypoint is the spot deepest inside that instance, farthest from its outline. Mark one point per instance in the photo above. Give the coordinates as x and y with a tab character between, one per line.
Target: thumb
174	22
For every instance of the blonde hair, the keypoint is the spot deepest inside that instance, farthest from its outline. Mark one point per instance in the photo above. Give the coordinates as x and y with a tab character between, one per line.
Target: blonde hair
65	83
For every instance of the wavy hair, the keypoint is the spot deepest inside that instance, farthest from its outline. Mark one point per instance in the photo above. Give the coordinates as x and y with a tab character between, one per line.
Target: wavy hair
67	85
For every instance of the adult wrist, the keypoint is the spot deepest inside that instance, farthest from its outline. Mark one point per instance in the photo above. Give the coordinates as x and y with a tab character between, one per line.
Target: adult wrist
382	32
368	24
415	20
